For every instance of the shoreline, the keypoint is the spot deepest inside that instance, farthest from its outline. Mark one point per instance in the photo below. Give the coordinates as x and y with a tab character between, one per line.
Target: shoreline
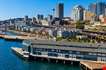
8	37
92	65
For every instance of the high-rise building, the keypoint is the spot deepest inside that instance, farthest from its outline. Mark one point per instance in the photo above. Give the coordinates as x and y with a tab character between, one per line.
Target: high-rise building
40	17
26	19
50	17
101	8
89	16
92	8
78	13
60	10
98	8
34	20
105	11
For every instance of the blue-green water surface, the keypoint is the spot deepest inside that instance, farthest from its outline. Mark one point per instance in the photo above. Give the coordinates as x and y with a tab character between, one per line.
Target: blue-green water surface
9	61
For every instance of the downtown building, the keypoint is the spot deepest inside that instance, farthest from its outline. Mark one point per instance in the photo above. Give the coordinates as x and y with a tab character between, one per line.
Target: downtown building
98	9
89	16
40	17
60	10
78	13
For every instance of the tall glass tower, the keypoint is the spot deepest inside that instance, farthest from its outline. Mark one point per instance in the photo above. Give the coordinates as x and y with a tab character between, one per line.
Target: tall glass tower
60	10
98	8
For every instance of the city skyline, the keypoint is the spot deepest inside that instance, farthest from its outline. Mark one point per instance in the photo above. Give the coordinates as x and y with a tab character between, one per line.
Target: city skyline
20	8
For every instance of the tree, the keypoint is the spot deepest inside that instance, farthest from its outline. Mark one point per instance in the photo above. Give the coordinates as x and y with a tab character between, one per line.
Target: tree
80	24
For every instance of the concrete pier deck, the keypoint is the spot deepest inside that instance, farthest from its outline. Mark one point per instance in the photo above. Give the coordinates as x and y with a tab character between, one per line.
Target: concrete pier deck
92	65
85	65
20	52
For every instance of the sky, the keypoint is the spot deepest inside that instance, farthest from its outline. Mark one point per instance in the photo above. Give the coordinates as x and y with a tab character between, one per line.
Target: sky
20	8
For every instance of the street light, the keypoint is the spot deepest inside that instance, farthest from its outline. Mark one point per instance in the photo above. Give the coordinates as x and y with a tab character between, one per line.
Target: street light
53	12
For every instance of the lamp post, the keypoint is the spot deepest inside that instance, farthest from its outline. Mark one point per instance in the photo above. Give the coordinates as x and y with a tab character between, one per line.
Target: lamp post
53	12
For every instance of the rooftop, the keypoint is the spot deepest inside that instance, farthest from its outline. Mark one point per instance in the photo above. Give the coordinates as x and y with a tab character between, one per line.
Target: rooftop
64	45
67	43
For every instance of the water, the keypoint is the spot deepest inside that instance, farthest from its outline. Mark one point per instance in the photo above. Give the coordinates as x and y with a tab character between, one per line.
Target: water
11	33
9	61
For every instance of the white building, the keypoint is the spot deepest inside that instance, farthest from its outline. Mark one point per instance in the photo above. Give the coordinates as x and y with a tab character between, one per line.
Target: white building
77	13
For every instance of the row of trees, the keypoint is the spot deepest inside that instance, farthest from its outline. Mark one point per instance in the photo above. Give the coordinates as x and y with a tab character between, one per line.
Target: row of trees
80	24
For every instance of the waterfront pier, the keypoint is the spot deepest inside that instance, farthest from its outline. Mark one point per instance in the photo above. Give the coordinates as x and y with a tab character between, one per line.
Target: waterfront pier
26	55
20	52
85	65
92	65
89	56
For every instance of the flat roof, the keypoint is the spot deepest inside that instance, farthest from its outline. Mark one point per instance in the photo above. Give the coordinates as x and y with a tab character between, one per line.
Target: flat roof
63	45
67	43
70	48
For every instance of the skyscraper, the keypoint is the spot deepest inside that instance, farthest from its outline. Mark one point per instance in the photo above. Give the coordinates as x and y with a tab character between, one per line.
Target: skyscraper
60	10
26	19
101	8
50	17
92	8
89	16
98	8
40	17
78	13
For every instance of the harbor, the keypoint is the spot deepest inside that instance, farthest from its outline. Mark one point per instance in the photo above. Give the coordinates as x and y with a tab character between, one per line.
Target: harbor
85	65
65	53
53	35
9	61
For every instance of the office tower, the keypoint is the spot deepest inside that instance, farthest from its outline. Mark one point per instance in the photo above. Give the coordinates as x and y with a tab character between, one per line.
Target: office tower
60	10
101	8
89	16
77	13
98	8
40	17
92	8
105	11
25	18
50	17
34	20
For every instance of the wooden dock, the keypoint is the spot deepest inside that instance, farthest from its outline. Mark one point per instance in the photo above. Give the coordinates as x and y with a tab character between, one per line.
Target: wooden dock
92	65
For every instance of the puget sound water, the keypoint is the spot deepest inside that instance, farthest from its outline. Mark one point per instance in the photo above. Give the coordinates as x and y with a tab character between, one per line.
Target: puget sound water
10	61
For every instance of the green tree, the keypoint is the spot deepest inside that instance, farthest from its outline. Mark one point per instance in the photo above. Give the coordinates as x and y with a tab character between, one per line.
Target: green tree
80	24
